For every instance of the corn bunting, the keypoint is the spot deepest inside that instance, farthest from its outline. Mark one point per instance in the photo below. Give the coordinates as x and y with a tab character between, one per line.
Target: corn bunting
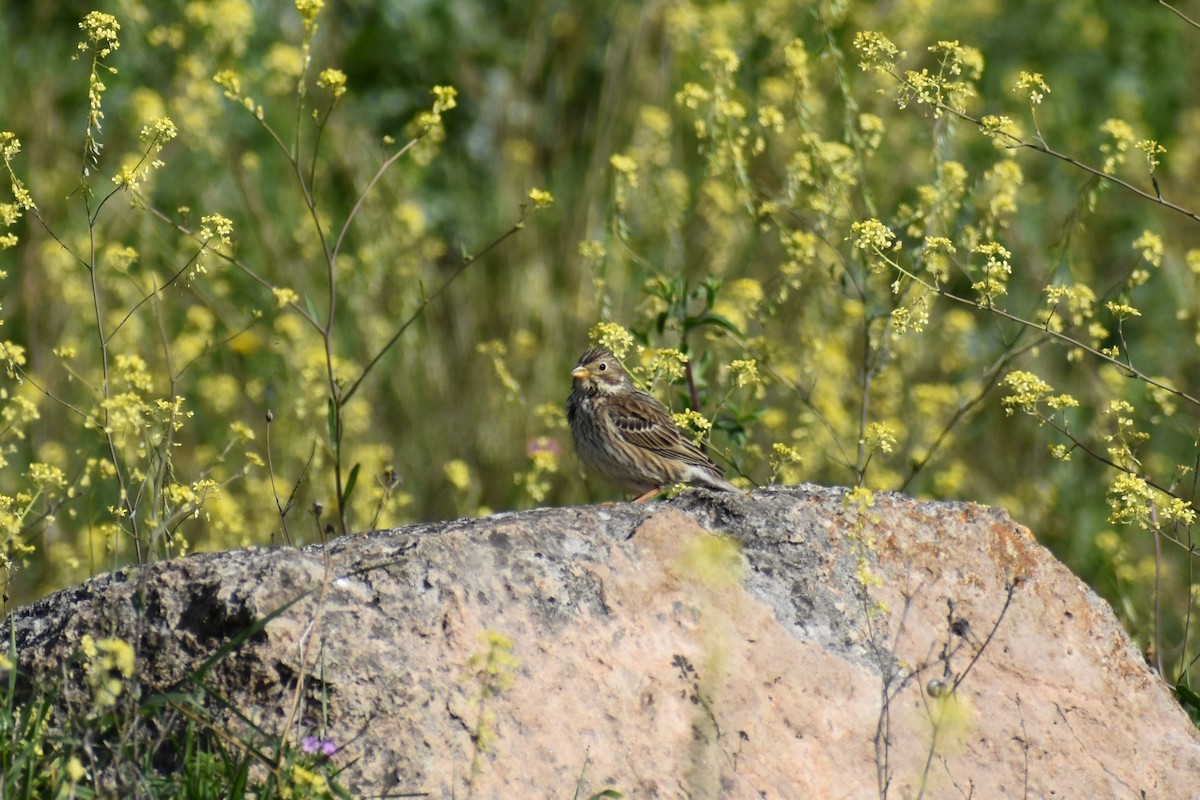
627	436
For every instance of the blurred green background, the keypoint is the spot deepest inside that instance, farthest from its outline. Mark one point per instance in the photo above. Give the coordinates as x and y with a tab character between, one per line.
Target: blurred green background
724	230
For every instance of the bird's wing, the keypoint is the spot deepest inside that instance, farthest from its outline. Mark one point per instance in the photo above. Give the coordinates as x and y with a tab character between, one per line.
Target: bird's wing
643	422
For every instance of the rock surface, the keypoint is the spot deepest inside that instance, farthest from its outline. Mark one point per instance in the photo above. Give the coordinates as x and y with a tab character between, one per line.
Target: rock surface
780	645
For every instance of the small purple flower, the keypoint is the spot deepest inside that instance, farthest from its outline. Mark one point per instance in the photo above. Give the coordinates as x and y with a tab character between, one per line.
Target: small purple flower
543	444
313	745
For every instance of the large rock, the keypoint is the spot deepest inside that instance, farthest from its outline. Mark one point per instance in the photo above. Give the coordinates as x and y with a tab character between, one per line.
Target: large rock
809	649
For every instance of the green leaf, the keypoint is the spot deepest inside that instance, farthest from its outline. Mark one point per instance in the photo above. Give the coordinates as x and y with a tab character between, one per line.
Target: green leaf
331	422
350	481
712	287
710	318
1189	700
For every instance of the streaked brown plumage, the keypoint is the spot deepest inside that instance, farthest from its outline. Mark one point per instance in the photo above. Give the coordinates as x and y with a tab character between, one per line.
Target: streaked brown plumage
627	437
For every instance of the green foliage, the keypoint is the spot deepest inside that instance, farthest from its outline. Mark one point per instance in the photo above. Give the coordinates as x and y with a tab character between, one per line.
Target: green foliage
173	344
490	672
119	743
845	243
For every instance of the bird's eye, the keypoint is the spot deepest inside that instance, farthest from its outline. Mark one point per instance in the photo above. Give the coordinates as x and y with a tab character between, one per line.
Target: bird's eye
603	366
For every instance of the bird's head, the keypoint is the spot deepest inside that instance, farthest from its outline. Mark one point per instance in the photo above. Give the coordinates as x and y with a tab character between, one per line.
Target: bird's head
599	371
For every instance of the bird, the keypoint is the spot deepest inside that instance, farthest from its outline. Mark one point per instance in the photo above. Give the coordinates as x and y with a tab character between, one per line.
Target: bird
627	437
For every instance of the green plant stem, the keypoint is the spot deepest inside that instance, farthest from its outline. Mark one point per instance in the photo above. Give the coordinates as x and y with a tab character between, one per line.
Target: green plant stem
420	309
1041	147
1179	14
237	263
1125	367
986	385
106	388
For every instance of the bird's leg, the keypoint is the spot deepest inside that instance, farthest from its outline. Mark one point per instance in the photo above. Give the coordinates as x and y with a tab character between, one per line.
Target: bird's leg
648	494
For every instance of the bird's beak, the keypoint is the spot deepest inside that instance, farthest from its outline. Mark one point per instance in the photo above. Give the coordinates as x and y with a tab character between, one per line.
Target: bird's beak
580	373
